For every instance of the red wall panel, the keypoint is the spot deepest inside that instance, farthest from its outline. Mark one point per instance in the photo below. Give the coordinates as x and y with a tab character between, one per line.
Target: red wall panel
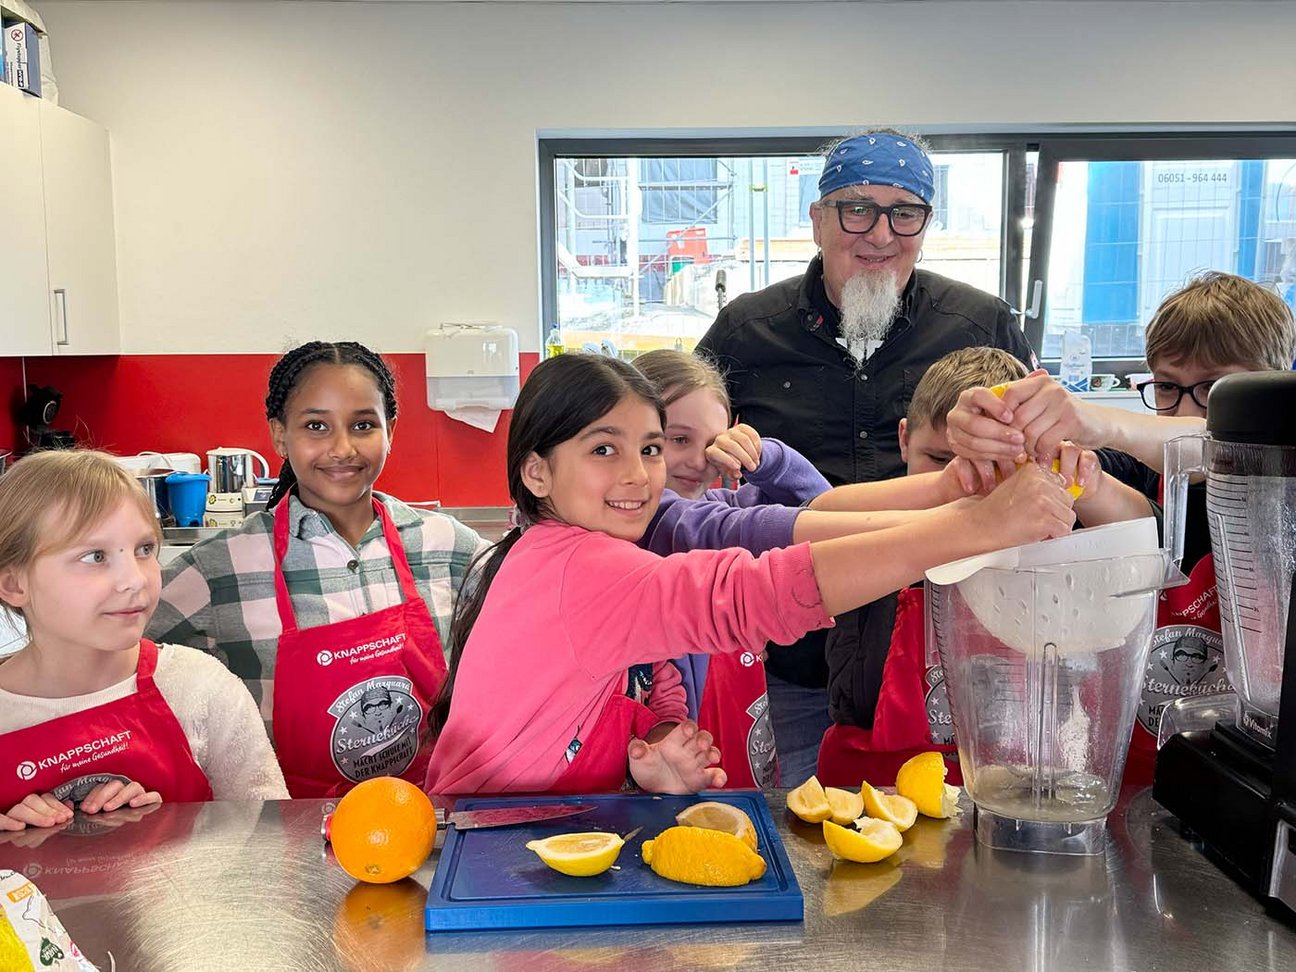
11	390
192	403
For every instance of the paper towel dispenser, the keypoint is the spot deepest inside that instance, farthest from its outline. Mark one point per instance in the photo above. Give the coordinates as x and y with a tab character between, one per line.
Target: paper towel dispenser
471	366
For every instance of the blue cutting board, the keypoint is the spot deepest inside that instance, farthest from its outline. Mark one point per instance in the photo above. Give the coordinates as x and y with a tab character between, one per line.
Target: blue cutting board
488	879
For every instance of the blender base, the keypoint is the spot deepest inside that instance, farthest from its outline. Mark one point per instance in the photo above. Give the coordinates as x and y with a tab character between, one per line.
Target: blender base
1076	838
1218	783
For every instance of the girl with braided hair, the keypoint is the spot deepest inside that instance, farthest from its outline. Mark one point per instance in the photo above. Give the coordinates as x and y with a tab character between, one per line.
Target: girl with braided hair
334	604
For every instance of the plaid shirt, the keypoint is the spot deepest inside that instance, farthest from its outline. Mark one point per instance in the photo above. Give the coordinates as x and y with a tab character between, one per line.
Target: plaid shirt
219	595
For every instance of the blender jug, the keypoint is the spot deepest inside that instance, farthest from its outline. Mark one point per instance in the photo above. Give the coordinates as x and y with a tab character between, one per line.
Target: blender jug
1234	786
1251	512
1043	664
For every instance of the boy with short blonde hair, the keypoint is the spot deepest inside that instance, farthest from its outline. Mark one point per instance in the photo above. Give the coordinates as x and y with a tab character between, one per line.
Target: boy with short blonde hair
885	702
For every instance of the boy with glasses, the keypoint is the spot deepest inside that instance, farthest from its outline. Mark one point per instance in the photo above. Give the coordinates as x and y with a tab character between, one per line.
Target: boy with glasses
1219	324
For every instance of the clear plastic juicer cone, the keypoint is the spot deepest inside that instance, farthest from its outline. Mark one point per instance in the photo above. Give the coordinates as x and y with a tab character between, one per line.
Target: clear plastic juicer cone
1044	668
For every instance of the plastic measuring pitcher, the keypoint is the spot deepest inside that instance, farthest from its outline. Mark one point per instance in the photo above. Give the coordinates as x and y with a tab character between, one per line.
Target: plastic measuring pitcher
1043	668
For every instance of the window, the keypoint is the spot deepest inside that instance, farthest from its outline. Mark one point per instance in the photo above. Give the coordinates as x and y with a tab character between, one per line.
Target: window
1130	221
679	191
940	201
636	239
965	238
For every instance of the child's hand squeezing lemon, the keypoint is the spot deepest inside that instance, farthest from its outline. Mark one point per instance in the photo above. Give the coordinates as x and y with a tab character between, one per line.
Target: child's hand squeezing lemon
1073	456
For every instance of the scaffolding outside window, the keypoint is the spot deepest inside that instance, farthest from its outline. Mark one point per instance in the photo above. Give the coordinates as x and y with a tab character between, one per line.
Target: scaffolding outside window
1082	233
639	242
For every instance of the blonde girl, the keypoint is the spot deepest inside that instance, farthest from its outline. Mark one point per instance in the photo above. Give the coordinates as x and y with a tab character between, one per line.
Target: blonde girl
93	716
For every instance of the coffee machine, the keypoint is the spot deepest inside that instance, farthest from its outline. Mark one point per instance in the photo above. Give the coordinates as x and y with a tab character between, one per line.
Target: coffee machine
37	414
1234	785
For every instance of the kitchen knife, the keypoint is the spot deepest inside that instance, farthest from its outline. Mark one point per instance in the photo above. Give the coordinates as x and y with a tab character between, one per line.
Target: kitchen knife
506	816
480	819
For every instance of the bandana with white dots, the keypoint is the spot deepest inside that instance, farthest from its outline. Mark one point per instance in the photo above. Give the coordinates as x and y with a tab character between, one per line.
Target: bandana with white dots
878	159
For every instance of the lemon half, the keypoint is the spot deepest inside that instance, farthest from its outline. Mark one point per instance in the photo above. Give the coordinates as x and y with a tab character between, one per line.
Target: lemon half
580	855
890	807
725	817
693	855
873	841
922	780
809	802
845	805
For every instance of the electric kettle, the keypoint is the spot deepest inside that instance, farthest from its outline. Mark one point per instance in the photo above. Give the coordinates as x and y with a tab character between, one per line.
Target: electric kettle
231	469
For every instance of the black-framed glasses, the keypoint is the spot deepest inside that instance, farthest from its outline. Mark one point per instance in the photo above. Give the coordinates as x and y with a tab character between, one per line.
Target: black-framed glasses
1164	396
858	216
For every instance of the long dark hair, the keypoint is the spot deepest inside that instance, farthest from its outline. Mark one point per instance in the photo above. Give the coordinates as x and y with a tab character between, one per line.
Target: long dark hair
562	396
292	367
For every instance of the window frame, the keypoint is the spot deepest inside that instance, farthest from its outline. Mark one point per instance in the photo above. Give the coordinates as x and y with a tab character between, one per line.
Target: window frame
1053	147
1118	147
1013	191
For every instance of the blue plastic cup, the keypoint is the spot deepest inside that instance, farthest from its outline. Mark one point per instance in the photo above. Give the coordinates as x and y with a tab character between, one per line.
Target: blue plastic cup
187	493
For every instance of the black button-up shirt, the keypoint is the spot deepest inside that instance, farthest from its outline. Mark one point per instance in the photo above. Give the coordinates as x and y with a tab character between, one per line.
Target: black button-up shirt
789	378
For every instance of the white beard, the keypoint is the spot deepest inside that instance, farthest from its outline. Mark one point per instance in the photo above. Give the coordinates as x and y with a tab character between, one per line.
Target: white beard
870	303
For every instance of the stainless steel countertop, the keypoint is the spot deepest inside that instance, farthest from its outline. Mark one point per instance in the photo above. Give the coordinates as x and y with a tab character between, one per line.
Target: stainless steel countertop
248	886
492	522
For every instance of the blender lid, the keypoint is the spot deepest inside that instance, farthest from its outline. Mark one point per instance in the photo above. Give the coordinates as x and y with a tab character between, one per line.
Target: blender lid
1257	407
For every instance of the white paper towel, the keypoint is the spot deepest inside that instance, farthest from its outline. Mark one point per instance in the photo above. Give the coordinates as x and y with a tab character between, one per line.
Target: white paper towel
478	417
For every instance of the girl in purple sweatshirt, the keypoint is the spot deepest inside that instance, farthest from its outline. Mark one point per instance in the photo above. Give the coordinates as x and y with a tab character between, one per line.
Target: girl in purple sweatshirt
727	694
567	601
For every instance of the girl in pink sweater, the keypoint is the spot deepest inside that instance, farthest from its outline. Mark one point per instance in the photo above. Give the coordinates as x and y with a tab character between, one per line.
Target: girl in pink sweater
567	602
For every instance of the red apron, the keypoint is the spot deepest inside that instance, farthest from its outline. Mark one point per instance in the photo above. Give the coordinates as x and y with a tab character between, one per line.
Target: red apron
351	698
597	759
136	738
912	714
735	710
1187	659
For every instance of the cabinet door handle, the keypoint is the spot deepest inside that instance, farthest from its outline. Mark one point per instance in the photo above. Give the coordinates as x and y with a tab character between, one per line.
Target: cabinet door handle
60	306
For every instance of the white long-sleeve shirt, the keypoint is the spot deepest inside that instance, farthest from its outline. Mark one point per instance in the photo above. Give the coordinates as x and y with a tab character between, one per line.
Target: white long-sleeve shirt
213	707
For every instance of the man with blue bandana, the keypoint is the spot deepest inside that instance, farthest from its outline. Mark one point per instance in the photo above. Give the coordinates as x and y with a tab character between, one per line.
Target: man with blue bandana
828	361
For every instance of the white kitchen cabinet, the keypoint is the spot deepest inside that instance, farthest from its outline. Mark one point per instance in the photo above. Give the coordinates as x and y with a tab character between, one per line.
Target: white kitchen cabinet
58	261
24	275
79	236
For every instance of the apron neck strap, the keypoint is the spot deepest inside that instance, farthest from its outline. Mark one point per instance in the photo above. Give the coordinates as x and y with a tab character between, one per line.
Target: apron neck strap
147	664
397	550
400	562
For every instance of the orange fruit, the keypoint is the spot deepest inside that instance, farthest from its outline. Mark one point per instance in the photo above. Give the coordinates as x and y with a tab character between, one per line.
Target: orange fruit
380	926
383	830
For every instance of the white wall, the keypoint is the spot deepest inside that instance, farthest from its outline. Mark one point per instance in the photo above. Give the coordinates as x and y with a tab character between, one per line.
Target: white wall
293	170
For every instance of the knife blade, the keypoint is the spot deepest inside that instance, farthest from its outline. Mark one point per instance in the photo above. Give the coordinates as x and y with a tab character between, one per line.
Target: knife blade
507	816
